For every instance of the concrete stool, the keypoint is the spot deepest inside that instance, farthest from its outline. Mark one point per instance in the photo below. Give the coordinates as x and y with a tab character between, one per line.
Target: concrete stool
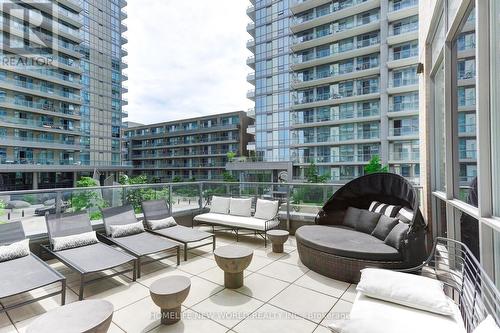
83	317
169	293
233	260
278	238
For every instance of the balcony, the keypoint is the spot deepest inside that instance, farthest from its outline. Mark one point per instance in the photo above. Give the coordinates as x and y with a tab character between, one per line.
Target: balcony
251	94
402	33
402	58
300	81
39	142
335	33
251	78
336	53
402	9
403	107
251	62
404	156
467	155
251	129
40	89
9	121
404	132
467	130
334	98
251	113
321	139
347	159
251	45
40	107
251	12
401	85
251	28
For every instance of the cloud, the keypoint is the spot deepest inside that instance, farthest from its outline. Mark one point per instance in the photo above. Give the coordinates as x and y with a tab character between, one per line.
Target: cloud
186	58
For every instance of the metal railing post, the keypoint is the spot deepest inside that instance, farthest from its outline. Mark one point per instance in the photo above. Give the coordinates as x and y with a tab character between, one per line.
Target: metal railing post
170	199
288	194
200	200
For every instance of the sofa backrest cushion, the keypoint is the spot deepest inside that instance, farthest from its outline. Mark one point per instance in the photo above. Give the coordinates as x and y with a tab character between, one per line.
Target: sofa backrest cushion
367	221
266	209
382	208
351	217
396	235
405	215
220	205
240	207
384	226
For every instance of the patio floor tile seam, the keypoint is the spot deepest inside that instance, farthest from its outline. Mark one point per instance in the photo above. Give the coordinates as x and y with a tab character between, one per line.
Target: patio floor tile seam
317	323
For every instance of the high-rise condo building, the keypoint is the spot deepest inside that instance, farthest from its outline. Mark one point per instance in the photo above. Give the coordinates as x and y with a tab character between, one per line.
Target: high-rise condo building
352	85
187	149
60	91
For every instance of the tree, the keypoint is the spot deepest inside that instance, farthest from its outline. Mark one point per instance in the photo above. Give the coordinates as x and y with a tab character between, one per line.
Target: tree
88	199
230	156
135	196
177	179
375	166
228	177
312	175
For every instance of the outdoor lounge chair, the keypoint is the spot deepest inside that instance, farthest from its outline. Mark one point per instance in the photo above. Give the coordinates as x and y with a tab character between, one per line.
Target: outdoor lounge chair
86	259
141	244
157	209
26	273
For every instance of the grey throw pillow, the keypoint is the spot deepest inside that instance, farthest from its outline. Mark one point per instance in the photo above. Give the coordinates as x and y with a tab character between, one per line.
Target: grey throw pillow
126	229
384	227
351	217
161	224
72	241
367	221
396	235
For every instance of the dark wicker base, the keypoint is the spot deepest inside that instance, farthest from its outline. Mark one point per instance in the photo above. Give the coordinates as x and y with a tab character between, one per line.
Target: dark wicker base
339	268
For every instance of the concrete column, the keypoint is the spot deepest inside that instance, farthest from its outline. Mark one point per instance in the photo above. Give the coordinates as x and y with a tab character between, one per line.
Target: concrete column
75	178
384	82
35	180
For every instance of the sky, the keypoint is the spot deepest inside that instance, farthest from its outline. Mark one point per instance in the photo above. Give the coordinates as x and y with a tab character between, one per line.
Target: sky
186	58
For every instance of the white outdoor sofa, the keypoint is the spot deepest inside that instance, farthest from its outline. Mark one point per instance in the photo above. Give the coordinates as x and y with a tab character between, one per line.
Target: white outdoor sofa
236	214
390	302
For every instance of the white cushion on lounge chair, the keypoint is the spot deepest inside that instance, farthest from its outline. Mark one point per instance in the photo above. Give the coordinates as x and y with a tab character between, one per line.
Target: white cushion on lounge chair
411	290
72	241
266	209
240	207
235	221
161	224
15	250
219	205
389	317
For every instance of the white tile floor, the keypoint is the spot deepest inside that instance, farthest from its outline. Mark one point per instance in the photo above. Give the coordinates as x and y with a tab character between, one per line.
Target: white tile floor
279	292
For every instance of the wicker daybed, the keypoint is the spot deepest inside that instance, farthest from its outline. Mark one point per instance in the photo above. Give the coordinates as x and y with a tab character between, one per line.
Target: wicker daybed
332	249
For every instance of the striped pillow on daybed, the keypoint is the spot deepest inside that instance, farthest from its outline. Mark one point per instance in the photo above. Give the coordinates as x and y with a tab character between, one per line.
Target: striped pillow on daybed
385	209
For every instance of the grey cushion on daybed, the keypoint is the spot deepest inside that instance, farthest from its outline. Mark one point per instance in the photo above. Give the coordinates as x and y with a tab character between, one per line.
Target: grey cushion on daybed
367	221
396	235
384	227
346	242
351	217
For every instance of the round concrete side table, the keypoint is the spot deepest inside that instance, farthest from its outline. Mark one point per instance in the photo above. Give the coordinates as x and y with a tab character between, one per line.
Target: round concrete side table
169	293
233	260
278	238
82	317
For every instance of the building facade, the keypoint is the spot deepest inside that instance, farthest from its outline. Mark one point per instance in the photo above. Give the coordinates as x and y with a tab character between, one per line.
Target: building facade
348	89
271	64
355	86
187	149
57	120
